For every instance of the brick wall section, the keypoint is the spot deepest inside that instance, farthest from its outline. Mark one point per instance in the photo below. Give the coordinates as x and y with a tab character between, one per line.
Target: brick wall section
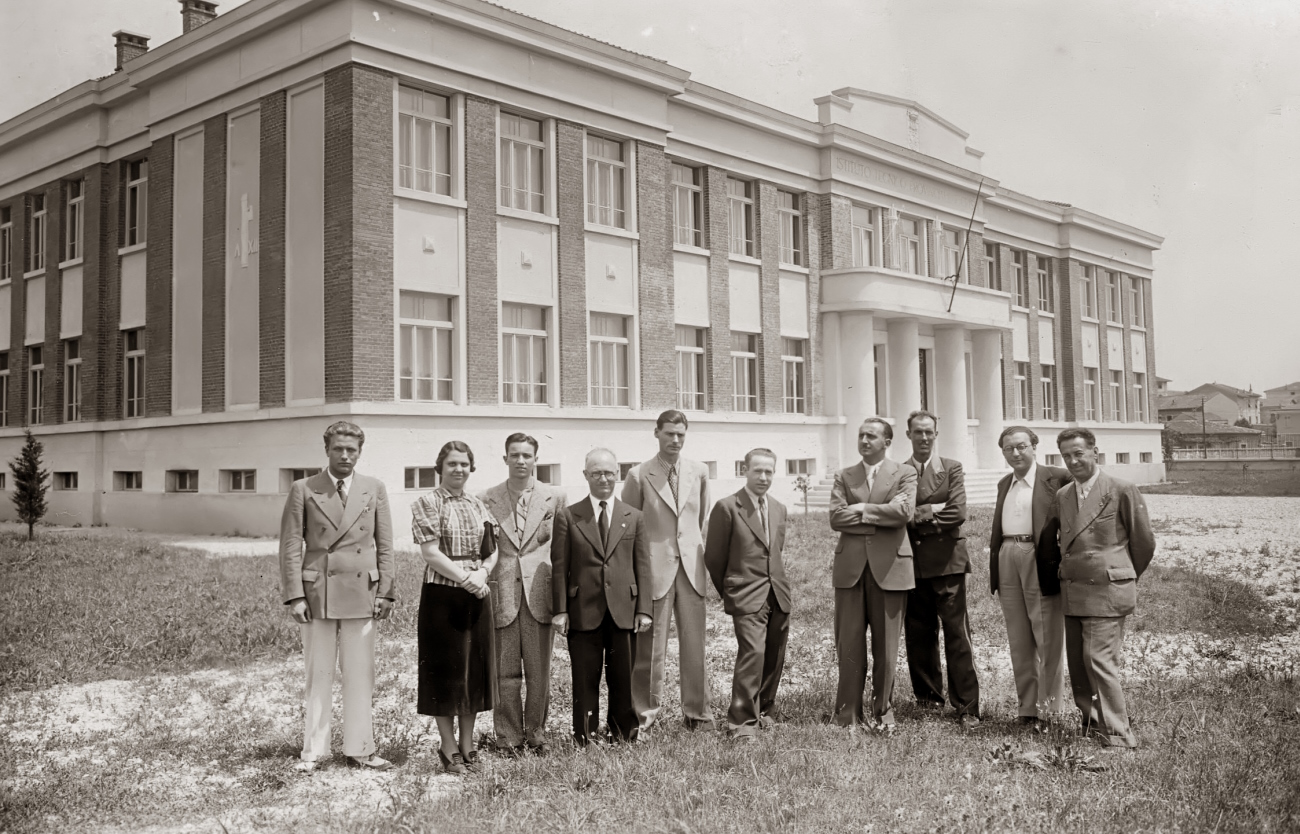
214	264
158	279
481	316
814	219
358	235
1035	359
1069	361
55	223
100	248
1009	412
271	249
1060	287
720	384
19	208
975	267
572	312
768	248
1103	357
655	299
109	339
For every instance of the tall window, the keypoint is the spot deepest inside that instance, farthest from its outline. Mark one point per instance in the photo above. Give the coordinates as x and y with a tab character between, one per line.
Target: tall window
72	380
1139	397
1089	292
609	361
951	252
425	339
864	236
1019	279
1136	304
1021	405
6	243
687	199
793	375
4	388
1117	396
74	227
424	141
690	368
740	198
909	240
1113	311
523	164
137	201
1046	297
1048	383
36	235
790	216
523	353
133	378
35	385
991	266
606	183
744	368
1091	394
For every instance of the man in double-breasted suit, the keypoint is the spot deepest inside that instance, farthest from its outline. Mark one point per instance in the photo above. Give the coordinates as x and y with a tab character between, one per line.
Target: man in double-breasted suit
1106	544
871	504
941	564
743	555
600	566
336	576
521	598
1035	622
672	494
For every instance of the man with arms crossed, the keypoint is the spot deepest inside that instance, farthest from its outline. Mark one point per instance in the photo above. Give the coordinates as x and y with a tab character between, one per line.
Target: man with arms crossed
521	598
1035	624
743	554
673	495
1106	544
939	599
871	504
336	576
598	592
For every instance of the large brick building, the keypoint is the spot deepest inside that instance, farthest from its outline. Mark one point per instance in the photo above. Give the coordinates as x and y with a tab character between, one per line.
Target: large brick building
443	220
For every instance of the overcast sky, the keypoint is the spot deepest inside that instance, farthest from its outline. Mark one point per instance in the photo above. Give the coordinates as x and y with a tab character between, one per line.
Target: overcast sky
1181	117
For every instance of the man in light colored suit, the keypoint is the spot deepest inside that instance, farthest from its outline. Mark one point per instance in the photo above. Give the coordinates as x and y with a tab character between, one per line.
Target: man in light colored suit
743	554
673	495
521	598
871	504
1106	544
1035	623
336	575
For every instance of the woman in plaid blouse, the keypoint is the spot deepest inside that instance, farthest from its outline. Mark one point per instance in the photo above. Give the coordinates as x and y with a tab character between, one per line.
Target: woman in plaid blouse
456	677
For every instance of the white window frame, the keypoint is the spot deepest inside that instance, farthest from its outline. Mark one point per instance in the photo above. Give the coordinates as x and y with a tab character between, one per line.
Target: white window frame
1019	278
952	260
794	375
1136	302
992	275
4	388
133	373
414	477
688	202
239	481
864	237
913	255
1114	298
36	385
439	142
128	481
1046	294
789	210
74	229
511	339
608	352
182	480
1139	397
6	244
1117	404
740	217
536	153
408	330
66	481
72	380
608	182
137	202
691	368
36	235
1091	394
1047	385
744	374
1089	292
1021	391
800	466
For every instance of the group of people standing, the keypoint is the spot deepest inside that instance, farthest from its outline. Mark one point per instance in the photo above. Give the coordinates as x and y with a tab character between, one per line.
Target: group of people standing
508	569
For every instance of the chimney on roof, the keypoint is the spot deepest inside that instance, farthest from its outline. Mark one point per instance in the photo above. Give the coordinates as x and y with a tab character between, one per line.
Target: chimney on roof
129	45
195	13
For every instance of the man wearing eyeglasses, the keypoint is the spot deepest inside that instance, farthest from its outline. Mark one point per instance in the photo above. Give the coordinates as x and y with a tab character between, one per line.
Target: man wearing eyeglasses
1035	625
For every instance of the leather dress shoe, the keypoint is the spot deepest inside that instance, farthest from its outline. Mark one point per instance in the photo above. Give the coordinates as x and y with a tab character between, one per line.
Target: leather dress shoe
371	762
455	765
472	763
766	722
970	722
303	766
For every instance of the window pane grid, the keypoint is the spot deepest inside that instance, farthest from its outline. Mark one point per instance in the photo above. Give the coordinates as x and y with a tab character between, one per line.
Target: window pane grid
36	245
424	141
793	375
1046	298
690	368
686	205
73	228
744	366
791	222
523	354
741	206
133	376
609	360
137	200
522	160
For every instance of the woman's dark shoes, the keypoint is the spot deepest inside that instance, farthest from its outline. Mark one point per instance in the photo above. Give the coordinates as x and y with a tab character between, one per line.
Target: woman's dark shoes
455	765
472	763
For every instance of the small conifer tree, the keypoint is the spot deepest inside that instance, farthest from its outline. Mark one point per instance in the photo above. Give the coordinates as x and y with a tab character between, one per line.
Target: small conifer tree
29	483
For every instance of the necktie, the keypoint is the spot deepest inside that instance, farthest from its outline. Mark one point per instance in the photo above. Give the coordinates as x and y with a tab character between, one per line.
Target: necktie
871	478
762	514
603	522
672	484
343	493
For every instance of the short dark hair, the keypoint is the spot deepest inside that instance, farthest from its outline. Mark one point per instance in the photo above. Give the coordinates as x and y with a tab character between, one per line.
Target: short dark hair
453	446
761	452
1071	434
887	430
344	429
1010	430
672	415
918	414
520	437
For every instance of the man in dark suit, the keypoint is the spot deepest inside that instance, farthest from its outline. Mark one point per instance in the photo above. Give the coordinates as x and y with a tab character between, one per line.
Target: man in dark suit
600	561
941	563
1106	544
1035	624
743	556
871	504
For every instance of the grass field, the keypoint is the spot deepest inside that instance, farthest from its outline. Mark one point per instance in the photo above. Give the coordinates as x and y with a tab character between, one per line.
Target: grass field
148	688
1241	479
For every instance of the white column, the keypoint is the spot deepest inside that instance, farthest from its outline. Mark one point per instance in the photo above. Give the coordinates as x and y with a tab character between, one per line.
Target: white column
857	377
904	381
986	373
832	364
950	380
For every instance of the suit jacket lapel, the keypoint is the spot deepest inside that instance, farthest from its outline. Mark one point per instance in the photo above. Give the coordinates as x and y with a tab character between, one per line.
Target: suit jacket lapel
1096	501
886	475
855	478
749	512
587	524
1068	510
536	512
357	501
326	497
928	483
659	480
498	502
1040	502
617	526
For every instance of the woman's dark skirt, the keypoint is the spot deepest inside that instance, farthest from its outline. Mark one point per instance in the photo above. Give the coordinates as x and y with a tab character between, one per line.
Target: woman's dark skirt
457	656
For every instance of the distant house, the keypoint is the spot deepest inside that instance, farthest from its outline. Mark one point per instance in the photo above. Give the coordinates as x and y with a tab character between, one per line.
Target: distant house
1286	426
1278	399
1247	401
1215	434
1162	387
1218	407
